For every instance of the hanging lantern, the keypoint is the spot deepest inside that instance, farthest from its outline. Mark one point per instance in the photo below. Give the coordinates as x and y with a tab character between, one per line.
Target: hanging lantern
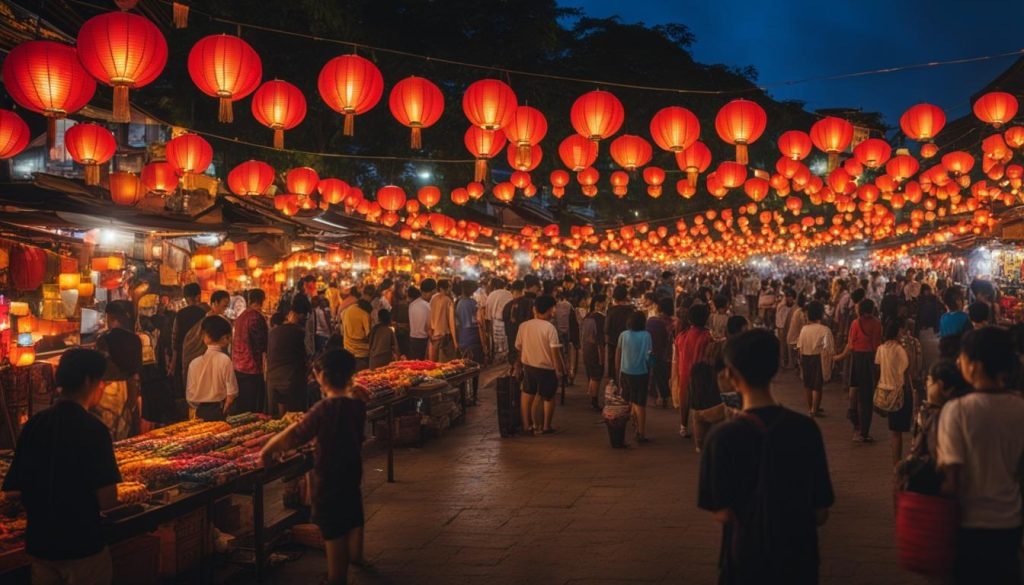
832	135
125	188
740	122
416	103
597	115
391	197
958	162
190	155
439	223
654	176
69	280
631	152
929	150
901	167
159	178
483	145
14	134
527	128
90	145
731	174
756	188
475	190
489	104
521	179
225	67
429	196
504	192
529	190
354	197
280	106
922	122
577	152
559	179
46	77
460	196
252	177
350	85
301	180
996	108
333	191
872	153
674	128
620	183
794	205
524	162
795	145
124	51
693	160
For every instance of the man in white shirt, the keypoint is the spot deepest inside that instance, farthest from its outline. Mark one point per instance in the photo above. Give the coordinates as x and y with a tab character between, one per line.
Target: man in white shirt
541	358
751	290
211	384
782	315
492	309
419	318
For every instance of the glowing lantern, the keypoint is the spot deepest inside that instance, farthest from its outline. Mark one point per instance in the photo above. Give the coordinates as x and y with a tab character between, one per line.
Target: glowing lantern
302	180
350	85
872	153
333	191
1014	136
577	152
996	108
354	197
189	154
788	167
929	150
740	122
530	190
588	177
391	197
439	223
715	186
674	128
460	196
483	145
14	134
476	190
901	167
429	196
416	103
958	162
693	160
795	145
654	176
524	160
620	183
125	188
90	145
527	128
280	106
794	205
225	67
832	135
504	192
631	152
46	77
596	115
252	177
520	179
69	280
159	178
559	179
756	188
922	122
489	104
124	51
389	219
731	174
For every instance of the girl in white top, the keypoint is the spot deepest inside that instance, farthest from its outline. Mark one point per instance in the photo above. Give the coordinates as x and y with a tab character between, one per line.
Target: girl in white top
893	374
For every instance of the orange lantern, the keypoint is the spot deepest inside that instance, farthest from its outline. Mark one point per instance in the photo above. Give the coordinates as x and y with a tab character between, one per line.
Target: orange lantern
654	176
521	179
693	160
872	153
252	177
795	145
490	105
524	160
159	178
901	167
929	150
90	145
280	106
631	152
504	192
674	128
922	122
416	103
69	280
483	145
620	183
14	134
189	154
429	196
596	115
125	188
476	190
794	205
333	191
731	174
740	122
832	135
756	188
350	85
1014	136
460	196
577	152
225	67
527	129
996	108
302	180
958	162
391	197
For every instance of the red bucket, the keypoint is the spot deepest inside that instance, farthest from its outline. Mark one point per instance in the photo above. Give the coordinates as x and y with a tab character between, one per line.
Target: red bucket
926	532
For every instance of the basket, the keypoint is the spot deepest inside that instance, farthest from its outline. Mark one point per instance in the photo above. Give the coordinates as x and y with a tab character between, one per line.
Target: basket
926	532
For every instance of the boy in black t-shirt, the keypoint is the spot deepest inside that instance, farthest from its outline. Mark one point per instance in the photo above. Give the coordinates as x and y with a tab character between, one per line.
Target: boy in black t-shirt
764	476
64	471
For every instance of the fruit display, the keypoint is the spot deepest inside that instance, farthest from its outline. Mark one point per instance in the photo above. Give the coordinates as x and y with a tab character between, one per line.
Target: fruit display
396	378
132	492
12	517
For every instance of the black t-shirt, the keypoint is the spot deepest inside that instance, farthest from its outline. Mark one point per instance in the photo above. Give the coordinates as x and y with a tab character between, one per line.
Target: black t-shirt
337	424
64	455
124	353
516	313
616	322
286	358
798	485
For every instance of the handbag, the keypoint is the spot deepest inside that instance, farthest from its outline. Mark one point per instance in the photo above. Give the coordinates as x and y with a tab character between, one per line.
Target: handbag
888	399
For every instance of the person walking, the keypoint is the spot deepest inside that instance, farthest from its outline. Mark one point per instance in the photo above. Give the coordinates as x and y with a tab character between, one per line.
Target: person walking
592	340
419	319
633	353
467	312
286	360
862	343
614	324
249	354
691	347
355	332
662	331
443	345
894	376
814	344
539	352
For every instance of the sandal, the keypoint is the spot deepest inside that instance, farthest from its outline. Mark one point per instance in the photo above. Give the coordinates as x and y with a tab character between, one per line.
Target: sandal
549	431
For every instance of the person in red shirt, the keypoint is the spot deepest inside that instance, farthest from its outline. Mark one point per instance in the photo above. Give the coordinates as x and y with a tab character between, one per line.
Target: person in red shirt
691	347
865	337
248	353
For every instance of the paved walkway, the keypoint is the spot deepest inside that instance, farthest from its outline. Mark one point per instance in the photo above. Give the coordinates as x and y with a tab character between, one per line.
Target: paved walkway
566	509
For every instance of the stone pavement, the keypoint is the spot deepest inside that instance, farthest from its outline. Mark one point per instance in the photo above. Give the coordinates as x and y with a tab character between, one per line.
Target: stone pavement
472	508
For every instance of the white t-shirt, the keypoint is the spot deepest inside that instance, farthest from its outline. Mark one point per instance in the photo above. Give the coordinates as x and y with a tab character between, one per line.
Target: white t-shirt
210	377
495	303
893	362
537	341
419	316
981	432
814	339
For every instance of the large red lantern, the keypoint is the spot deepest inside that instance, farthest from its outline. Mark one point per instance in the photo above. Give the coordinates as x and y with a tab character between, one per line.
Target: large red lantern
741	122
416	103
460	196
190	155
901	167
521	161
122	50
922	122
350	85
756	188
333	191
693	160
832	135
489	104
14	134
795	145
90	145
674	128
731	174
631	152
47	78
872	153
159	178
996	108
302	181
225	67
125	188
527	129
958	162
429	196
577	152
597	115
504	192
483	145
253	177
280	106
391	197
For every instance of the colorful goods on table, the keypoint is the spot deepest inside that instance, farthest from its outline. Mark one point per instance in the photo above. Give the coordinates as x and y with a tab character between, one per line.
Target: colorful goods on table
396	378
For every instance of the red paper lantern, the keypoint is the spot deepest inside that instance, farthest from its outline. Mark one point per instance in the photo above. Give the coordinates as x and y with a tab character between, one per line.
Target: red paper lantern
901	167
333	191
475	190
225	67
577	152
429	196
391	197
252	177
832	135
674	128
693	160
159	178
620	183
631	152
417	103
872	153
90	145
122	50
559	179
521	179
996	108
524	162
460	196
958	162
922	122
125	188
740	122
597	115
483	145
47	78
756	188
14	134
280	106
27	267
190	155
350	85
302	180
505	192
654	176
795	145
489	104
527	129
731	174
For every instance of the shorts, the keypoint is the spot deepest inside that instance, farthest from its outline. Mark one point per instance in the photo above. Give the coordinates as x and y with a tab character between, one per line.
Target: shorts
540	381
900	420
592	363
810	371
634	388
338	515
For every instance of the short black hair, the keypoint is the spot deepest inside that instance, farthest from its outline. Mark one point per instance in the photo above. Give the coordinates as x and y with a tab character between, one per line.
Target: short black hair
337	367
637	321
543	304
866	307
699	314
620	293
815	311
256	295
993	348
666	306
300	305
892	330
191	290
736	324
596	300
216	328
721	301
978	312
530	281
754	355
218	296
384	317
518	285
498	283
428	285
121	310
947	372
469	287
951	296
444	284
77	367
369	290
413	293
858	295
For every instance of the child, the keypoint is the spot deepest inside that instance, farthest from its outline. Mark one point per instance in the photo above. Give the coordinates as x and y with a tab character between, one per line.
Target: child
894	375
212	385
912	346
336	422
383	342
705	399
720	318
815	339
918	472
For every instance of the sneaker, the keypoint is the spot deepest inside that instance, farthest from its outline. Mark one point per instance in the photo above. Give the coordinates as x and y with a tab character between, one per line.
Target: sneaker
684	432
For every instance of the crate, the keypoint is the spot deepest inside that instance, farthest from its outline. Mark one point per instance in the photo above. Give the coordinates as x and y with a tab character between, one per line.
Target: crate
134	559
182	543
406	429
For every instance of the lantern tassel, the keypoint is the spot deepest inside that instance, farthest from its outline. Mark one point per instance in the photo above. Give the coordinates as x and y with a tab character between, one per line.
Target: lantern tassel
833	161
51	135
186	182
741	154
525	150
279	138
480	170
691	177
121	112
92	174
180	15
416	138
226	114
349	128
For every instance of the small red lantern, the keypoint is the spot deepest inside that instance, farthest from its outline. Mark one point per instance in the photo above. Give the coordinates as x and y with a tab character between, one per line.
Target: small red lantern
90	145
391	197
527	129
901	167
832	135
740	122
731	174
631	152
416	103
489	104
872	153
674	128
280	106
756	188
521	179
996	108
795	145
252	177
14	134
225	67
333	191
524	162
190	155
922	122
350	85
429	196
929	150
577	152
460	196
475	190
620	183
597	115
693	160
483	145
301	180
125	188
654	176
504	192
159	178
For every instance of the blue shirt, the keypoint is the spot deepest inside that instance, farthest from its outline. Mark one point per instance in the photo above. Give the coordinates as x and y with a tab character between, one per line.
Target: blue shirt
635	347
953	323
466	321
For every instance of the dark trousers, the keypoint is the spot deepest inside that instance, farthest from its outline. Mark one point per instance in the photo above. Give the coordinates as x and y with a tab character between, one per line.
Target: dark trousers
613	368
210	411
252	393
660	378
751	307
418	348
985	556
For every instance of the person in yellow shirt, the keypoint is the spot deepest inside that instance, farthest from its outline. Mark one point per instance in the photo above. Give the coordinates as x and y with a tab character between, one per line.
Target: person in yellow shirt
443	345
355	331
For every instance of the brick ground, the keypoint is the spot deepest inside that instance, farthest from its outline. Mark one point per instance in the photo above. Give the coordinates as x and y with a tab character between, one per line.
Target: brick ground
566	509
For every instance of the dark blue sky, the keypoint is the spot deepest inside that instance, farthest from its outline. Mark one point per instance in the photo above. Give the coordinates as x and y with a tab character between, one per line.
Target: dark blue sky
799	39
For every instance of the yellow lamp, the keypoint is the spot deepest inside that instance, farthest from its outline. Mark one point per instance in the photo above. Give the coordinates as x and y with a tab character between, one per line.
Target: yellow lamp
23	356
69	280
19	309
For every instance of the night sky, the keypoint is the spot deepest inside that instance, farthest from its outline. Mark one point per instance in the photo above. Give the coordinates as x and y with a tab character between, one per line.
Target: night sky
799	39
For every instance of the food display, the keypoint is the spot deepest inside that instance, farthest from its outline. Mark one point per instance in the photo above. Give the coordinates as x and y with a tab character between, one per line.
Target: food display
397	378
132	492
